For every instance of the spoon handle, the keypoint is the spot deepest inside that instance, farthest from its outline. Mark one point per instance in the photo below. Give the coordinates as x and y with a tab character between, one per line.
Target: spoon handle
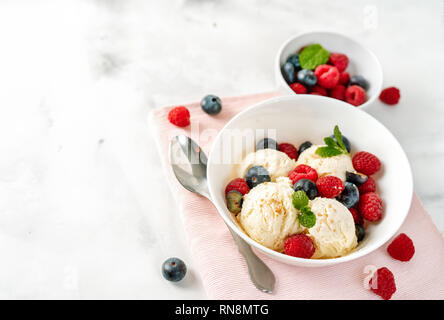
261	276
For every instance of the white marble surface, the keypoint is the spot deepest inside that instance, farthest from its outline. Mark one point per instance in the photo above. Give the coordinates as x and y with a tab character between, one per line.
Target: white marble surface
84	208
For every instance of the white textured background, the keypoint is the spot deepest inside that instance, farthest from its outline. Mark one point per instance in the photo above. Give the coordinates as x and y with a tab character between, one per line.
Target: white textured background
84	209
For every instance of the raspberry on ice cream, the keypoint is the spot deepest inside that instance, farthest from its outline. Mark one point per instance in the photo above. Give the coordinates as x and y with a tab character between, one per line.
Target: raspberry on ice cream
300	246
370	206
303	171
238	184
366	163
289	149
329	186
368	186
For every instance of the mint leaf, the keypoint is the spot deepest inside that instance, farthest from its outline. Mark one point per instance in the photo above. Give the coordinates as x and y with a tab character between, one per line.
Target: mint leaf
306	217
330	142
313	56
327	152
300	199
338	136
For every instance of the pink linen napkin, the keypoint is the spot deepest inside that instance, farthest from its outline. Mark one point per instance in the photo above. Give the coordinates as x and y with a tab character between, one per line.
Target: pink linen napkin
223	270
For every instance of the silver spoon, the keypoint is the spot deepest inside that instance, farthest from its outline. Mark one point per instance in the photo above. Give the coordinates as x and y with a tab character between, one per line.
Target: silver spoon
186	156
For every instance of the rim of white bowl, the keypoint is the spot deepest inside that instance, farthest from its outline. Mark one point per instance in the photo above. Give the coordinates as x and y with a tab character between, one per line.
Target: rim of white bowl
301	261
284	84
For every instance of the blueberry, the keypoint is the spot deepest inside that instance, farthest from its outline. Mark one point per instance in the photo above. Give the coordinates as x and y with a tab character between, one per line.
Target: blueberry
267	143
345	141
350	196
294	59
211	104
308	186
234	201
304	146
307	77
360	232
359	81
256	175
289	72
355	178
174	269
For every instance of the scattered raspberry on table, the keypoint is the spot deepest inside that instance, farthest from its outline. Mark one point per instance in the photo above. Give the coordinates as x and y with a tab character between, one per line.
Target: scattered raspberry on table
390	95
401	248
383	283
179	116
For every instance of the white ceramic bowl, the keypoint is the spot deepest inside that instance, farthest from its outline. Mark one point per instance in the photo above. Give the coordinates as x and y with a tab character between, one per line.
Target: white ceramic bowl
307	117
362	60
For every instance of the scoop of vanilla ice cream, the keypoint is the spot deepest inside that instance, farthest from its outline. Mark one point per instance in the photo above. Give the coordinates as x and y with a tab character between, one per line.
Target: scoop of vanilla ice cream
268	215
332	166
334	232
277	163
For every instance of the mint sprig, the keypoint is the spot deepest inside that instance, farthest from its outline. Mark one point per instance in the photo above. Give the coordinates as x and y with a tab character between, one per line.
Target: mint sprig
313	56
334	147
306	217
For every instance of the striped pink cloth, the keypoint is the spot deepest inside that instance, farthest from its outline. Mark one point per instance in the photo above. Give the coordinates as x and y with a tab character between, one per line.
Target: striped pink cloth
223	271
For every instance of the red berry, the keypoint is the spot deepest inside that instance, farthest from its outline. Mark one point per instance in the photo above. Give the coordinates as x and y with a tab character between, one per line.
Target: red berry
339	60
368	186
401	248
355	95
329	186
328	76
383	283
390	95
338	92
366	163
344	78
179	116
289	149
300	246
298	88
370	206
238	184
317	90
356	216
303	171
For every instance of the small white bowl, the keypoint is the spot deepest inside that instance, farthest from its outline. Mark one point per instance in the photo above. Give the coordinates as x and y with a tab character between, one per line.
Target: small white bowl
362	61
307	117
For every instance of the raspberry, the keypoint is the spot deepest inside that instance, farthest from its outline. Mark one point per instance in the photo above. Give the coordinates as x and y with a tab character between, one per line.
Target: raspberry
370	206
300	246
401	248
289	149
238	184
318	91
390	95
383	283
356	216
303	171
298	88
344	78
368	186
338	92
328	76
355	95
329	186
339	60
366	163
179	116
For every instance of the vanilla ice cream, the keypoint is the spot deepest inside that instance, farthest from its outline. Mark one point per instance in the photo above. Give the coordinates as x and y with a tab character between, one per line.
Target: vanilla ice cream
332	166
334	232
277	163
268	215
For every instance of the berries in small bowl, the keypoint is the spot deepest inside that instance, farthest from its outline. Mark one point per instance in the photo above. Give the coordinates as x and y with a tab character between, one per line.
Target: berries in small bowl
318	61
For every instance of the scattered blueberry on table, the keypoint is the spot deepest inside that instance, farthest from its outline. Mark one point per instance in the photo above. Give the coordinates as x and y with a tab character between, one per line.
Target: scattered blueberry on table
174	269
